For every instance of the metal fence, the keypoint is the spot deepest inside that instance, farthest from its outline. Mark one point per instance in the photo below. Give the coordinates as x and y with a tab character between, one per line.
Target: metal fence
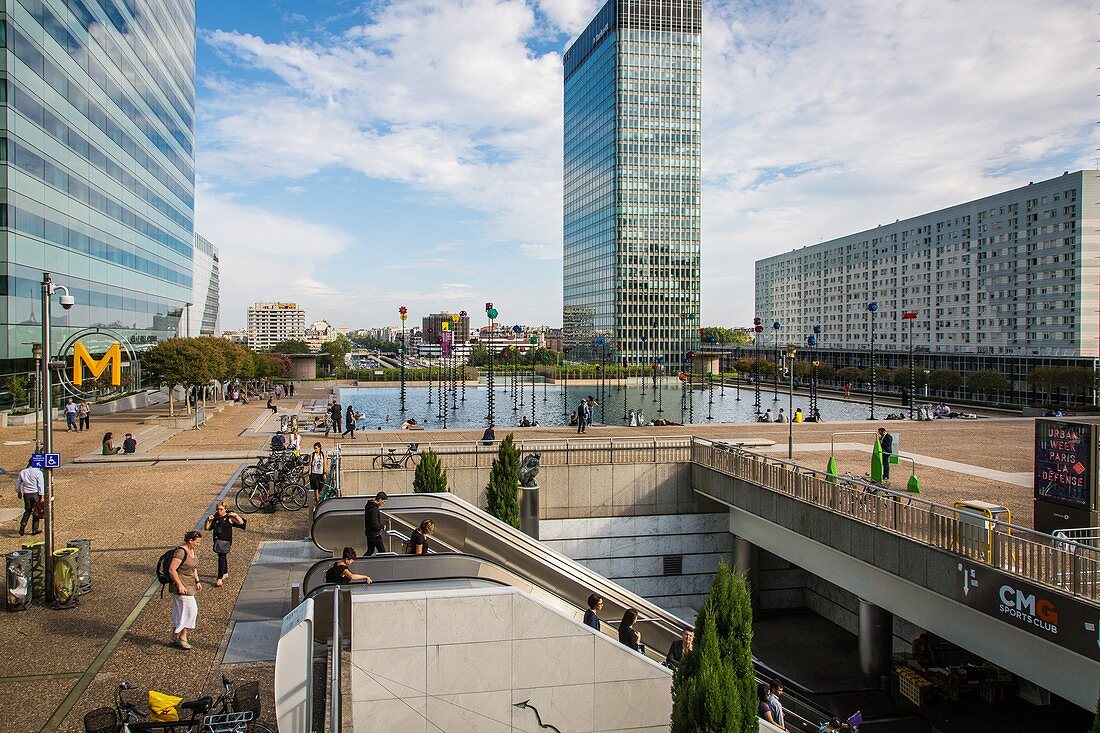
1059	563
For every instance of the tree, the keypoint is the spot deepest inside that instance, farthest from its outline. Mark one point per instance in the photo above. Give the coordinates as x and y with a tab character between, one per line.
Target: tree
184	362
699	683
722	335
335	351
291	346
17	385
901	377
850	374
945	380
502	493
430	475
704	695
479	355
988	382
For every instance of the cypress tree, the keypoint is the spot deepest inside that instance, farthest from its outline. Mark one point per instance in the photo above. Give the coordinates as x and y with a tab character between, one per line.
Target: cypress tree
430	475
704	697
502	493
729	608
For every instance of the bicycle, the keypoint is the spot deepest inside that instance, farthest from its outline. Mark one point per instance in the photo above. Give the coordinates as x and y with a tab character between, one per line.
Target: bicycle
389	460
236	710
864	487
290	496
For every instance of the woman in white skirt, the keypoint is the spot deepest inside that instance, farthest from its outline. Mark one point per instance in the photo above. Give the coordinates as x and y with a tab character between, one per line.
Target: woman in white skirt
184	571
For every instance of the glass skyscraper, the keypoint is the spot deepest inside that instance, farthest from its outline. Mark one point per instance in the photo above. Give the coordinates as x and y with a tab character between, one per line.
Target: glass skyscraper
97	157
632	180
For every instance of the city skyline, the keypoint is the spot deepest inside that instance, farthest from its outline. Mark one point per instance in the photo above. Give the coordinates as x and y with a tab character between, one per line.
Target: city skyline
326	126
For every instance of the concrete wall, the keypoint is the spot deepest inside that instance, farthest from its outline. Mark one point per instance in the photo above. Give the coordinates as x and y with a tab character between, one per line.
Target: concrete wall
566	492
461	660
631	550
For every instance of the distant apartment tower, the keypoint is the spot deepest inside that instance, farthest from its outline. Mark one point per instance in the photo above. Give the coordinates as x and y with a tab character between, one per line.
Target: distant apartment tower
202	314
1013	274
632	182
273	323
433	328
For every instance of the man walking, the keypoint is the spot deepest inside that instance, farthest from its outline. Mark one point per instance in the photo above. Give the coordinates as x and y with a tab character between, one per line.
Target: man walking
887	442
31	487
71	410
373	525
336	412
582	415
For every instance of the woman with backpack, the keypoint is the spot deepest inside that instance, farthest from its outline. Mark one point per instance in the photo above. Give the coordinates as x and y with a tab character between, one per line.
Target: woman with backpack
418	542
184	573
221	523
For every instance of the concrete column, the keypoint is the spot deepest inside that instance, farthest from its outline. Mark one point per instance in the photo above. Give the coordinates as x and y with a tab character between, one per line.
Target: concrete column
746	560
876	639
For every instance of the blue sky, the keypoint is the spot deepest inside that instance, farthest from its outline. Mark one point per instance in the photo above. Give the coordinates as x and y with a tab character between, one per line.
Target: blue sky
357	156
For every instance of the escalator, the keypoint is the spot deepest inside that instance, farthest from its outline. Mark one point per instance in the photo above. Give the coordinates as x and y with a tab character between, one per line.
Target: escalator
475	549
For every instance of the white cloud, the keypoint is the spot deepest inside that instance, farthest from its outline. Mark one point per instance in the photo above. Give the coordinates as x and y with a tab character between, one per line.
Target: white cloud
820	119
266	256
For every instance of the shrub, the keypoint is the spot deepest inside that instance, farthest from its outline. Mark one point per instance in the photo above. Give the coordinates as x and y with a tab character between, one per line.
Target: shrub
502	493
430	475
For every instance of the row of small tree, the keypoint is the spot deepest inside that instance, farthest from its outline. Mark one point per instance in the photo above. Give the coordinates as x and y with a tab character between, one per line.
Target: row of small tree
203	360
503	488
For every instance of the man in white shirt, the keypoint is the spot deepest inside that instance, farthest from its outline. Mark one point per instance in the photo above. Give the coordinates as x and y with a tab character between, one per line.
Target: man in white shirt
31	487
71	410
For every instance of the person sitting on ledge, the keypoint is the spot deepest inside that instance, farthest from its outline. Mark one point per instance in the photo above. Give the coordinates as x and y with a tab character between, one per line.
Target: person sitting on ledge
524	423
411	424
109	448
129	445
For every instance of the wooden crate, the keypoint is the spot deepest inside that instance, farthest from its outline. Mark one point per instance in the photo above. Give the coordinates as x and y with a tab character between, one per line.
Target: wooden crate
913	687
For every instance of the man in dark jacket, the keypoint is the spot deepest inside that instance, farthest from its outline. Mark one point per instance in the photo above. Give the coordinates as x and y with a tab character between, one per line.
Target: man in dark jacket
886	441
337	415
373	525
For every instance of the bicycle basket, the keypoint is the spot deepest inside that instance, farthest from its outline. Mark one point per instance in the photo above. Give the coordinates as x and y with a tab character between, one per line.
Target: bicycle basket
101	720
246	698
414	447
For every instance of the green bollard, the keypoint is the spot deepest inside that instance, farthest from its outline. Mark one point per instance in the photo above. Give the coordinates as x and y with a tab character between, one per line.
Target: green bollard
914	484
876	462
830	470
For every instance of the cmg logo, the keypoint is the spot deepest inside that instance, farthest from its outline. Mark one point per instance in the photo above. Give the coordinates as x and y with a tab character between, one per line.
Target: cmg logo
1029	608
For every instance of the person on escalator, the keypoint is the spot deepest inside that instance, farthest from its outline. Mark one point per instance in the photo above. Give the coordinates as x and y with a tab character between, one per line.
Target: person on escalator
340	572
628	635
373	526
418	542
595	603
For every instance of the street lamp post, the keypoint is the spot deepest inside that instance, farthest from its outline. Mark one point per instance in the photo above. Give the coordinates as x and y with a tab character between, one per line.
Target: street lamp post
48	289
775	387
757	328
872	307
791	351
911	316
816	364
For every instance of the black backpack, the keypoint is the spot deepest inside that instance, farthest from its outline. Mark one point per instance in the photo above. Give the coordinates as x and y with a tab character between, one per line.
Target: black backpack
163	562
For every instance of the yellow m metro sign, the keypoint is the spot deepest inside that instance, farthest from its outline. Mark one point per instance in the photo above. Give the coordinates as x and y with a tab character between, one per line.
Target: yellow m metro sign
82	358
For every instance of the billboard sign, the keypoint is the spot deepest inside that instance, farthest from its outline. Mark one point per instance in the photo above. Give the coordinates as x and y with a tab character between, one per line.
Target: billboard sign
1058	618
1064	463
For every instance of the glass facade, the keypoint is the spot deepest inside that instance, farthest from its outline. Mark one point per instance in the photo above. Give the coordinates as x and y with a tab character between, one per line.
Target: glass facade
632	183
97	153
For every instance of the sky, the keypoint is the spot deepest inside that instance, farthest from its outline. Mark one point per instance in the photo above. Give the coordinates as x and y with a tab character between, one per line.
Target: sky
360	155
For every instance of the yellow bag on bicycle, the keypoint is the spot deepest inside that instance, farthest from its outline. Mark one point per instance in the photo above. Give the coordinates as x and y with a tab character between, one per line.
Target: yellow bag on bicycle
163	708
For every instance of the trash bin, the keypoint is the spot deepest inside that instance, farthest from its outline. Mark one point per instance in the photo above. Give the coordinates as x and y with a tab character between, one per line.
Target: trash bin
83	565
64	577
38	569
17	571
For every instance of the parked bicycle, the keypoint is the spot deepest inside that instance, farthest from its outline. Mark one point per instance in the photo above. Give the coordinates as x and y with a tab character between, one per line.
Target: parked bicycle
389	460
864	487
235	710
290	496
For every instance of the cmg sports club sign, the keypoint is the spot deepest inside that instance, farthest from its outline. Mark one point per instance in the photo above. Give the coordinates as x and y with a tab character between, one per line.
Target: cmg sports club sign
1058	618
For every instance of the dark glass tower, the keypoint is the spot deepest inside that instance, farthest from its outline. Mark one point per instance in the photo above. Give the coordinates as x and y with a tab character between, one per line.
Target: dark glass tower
97	162
632	179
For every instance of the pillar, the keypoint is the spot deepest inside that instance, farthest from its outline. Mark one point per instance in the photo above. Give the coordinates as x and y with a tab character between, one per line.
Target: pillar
876	639
529	510
746	561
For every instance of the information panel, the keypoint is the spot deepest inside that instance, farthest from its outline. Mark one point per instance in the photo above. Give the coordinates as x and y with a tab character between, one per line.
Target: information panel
1064	463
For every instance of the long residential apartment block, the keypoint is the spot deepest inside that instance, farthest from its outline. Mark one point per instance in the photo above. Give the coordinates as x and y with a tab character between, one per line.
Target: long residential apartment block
1014	274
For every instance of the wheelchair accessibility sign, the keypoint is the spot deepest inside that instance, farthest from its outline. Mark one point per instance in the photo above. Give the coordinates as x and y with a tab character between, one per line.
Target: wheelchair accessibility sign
46	460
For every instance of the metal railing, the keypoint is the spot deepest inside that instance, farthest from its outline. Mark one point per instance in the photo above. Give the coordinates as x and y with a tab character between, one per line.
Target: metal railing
1041	558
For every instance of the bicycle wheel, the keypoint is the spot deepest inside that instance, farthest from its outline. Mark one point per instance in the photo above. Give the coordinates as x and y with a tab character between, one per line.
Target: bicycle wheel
258	727
250	476
244	500
414	459
293	497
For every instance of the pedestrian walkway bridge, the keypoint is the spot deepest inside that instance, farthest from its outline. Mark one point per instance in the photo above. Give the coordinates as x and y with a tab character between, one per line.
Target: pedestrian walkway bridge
1019	598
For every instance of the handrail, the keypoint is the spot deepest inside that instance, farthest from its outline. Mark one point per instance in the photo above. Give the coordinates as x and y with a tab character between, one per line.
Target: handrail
1018	550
